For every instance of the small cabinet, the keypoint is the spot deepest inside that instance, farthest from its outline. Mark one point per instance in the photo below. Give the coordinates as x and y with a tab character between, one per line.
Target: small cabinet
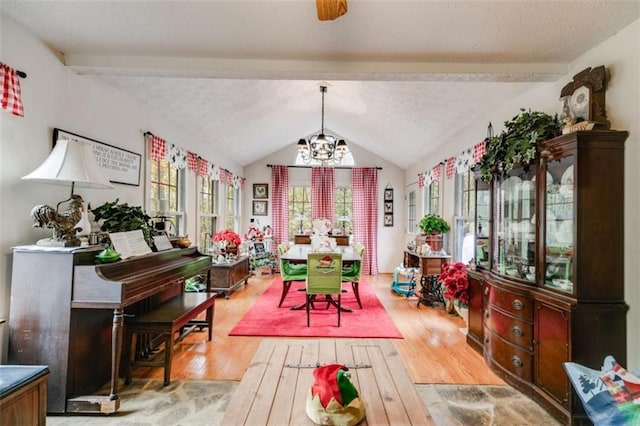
228	276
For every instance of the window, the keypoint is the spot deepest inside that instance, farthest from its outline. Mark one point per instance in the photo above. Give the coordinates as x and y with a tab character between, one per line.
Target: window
207	212
432	198
165	194
343	209
233	208
411	212
465	206
299	209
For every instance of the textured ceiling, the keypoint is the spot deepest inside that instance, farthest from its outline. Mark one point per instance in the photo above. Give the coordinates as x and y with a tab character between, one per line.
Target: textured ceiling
243	75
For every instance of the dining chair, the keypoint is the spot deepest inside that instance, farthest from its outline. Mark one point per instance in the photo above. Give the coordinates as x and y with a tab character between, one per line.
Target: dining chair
352	273
289	272
324	277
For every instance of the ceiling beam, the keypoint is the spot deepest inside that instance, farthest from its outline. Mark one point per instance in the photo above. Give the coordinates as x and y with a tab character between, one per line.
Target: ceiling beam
312	70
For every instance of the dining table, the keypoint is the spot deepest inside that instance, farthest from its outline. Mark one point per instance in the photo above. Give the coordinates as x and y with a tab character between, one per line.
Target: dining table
297	254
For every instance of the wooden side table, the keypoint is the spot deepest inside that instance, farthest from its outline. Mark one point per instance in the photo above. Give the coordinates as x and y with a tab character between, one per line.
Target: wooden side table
430	267
228	276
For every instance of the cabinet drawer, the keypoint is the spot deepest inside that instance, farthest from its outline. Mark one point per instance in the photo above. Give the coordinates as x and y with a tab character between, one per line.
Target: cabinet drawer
519	306
511	329
512	358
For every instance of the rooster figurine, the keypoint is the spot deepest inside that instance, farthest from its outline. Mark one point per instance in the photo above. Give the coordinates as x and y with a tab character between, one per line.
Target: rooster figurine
63	224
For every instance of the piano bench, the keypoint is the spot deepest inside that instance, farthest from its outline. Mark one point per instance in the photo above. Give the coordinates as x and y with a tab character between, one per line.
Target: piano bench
167	319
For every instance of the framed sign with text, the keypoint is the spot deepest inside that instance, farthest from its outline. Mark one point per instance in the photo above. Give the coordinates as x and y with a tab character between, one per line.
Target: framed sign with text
118	165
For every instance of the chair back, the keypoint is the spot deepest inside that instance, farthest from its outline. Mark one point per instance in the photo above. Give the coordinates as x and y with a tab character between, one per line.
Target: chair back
324	273
283	248
352	273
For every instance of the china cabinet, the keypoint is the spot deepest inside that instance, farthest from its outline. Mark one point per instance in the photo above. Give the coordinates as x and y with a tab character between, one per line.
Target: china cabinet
551	288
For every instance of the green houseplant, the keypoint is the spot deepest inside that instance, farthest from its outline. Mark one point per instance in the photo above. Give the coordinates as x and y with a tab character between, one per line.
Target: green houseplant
518	143
433	224
122	217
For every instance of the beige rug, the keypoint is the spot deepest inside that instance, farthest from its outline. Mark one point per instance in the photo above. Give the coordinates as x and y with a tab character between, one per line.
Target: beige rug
201	402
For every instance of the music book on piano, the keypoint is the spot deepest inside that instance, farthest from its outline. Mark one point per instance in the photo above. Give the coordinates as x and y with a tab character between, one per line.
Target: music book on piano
130	243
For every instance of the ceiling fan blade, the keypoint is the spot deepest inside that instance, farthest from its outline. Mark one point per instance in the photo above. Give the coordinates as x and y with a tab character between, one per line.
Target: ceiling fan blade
328	10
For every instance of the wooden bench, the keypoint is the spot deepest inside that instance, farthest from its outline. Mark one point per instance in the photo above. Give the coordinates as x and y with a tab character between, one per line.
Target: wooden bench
275	388
167	319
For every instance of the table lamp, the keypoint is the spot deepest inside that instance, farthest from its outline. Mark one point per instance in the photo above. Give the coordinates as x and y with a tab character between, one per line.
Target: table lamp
73	162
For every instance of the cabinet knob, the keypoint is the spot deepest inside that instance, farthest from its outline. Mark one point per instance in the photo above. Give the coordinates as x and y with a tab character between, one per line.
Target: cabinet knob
516	361
517	304
486	314
517	331
486	339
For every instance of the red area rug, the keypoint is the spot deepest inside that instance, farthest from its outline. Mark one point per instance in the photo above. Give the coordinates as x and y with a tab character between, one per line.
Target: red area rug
266	319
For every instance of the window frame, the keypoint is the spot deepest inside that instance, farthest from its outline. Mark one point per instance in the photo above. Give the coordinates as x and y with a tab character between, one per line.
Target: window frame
175	193
206	231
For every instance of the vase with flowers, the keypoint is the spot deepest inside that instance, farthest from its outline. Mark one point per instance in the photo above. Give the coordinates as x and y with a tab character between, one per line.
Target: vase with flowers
455	280
227	241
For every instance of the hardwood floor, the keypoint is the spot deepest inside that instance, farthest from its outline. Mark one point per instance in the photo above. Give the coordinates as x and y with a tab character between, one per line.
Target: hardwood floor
433	350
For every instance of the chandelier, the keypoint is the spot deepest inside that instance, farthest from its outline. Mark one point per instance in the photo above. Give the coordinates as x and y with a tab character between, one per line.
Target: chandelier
324	148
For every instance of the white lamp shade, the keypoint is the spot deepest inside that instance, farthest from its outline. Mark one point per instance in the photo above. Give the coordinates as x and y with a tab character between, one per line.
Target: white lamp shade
70	161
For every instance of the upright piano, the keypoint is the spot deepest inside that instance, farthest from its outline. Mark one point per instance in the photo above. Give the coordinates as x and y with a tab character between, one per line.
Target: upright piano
67	312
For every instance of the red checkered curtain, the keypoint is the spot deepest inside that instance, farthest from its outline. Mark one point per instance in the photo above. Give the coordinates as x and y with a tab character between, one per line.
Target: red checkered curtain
323	200
203	167
158	147
450	167
478	151
420	180
192	161
364	190
279	205
10	92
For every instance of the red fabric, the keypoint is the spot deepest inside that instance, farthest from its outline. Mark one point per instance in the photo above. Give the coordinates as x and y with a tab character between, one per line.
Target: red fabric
323	193
478	151
420	180
203	167
226	177
266	319
279	205
364	181
192	161
158	148
325	383
242	181
450	167
436	172
11	95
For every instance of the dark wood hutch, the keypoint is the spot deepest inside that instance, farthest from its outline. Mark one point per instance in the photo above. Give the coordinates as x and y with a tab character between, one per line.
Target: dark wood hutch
549	286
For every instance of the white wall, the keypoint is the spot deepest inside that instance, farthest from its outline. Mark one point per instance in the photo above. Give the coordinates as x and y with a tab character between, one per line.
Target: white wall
390	243
621	55
57	97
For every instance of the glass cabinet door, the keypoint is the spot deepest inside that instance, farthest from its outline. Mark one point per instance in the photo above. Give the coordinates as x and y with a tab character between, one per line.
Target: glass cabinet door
559	224
482	222
514	223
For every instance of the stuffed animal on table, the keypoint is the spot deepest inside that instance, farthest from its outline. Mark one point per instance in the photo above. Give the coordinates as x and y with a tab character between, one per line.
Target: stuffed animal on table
333	399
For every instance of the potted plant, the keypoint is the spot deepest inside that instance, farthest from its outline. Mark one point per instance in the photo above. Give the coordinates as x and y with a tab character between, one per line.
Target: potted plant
518	143
455	281
433	224
122	217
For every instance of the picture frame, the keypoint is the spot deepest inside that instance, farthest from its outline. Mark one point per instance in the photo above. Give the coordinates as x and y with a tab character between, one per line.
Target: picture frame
260	191
260	208
388	219
118	165
388	194
388	206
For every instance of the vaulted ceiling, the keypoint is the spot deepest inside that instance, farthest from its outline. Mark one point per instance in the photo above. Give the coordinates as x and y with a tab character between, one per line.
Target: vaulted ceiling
244	75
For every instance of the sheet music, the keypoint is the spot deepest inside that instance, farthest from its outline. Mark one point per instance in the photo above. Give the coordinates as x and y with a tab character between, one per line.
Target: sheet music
130	243
162	242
